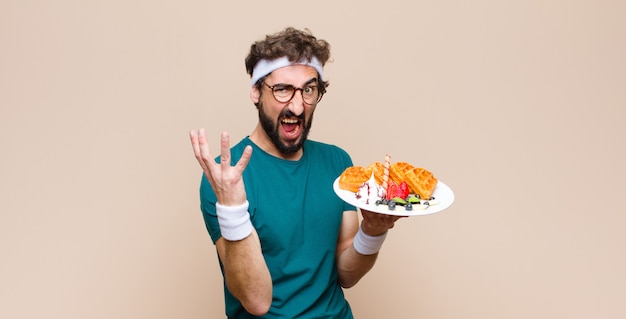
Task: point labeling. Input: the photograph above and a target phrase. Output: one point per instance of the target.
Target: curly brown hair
(296, 45)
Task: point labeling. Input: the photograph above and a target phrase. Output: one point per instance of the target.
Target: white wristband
(365, 244)
(234, 221)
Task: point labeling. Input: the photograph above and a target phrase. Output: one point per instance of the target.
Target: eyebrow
(313, 80)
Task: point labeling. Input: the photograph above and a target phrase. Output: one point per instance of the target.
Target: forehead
(293, 74)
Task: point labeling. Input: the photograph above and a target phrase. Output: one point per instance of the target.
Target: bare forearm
(358, 247)
(352, 266)
(246, 273)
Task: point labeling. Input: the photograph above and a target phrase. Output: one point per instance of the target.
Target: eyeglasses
(283, 93)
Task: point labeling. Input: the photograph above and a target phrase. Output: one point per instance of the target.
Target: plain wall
(518, 106)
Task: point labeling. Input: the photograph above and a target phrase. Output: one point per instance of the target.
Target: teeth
(289, 121)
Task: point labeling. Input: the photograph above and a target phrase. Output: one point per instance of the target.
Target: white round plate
(442, 194)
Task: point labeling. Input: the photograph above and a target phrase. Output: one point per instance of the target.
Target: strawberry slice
(404, 190)
(391, 188)
(394, 190)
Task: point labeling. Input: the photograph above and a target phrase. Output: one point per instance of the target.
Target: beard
(272, 128)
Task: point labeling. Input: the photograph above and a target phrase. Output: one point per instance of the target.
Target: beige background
(519, 106)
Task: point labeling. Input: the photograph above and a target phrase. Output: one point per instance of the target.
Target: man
(287, 245)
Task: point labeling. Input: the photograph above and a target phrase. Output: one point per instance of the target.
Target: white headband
(265, 67)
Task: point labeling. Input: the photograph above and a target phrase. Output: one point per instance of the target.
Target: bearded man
(287, 245)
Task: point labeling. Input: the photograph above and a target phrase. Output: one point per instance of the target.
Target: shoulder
(321, 147)
(327, 152)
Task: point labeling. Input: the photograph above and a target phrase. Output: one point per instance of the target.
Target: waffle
(378, 169)
(421, 182)
(397, 171)
(352, 178)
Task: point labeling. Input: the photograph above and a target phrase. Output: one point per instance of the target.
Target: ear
(255, 95)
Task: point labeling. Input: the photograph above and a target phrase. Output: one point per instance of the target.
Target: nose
(296, 105)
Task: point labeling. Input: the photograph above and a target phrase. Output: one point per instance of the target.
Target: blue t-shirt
(297, 215)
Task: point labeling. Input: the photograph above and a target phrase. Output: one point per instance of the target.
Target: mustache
(288, 114)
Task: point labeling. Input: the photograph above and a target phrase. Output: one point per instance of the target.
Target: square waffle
(421, 182)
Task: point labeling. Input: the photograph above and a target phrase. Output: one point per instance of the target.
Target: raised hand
(226, 179)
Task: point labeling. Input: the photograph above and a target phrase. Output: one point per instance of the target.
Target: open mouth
(291, 127)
